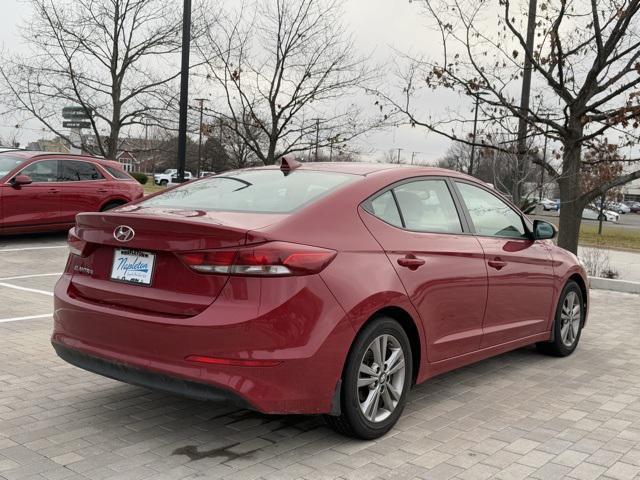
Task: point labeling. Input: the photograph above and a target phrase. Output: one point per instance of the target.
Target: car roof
(33, 154)
(368, 168)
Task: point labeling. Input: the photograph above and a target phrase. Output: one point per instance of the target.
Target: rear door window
(257, 191)
(425, 206)
(76, 171)
(117, 173)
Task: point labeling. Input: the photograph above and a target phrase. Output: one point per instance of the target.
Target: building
(631, 191)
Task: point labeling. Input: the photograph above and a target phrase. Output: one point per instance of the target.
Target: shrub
(140, 177)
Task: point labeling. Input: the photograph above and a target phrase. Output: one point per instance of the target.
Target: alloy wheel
(381, 378)
(570, 319)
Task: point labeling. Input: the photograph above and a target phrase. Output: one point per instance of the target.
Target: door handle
(411, 262)
(497, 263)
(54, 190)
(102, 190)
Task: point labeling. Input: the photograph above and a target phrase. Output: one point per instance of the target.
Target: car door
(35, 204)
(439, 263)
(521, 276)
(83, 188)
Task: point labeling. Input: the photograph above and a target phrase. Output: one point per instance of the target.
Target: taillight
(77, 246)
(266, 259)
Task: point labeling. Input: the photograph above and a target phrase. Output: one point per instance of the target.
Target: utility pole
(184, 89)
(475, 129)
(317, 136)
(201, 105)
(413, 156)
(524, 100)
(399, 154)
(544, 160)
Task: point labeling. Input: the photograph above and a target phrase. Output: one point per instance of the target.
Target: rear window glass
(259, 191)
(117, 173)
(8, 163)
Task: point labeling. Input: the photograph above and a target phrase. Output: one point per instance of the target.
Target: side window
(427, 206)
(75, 171)
(43, 171)
(384, 207)
(491, 216)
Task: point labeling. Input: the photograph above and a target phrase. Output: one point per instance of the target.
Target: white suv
(170, 175)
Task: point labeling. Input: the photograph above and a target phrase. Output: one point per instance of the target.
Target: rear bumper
(299, 325)
(148, 379)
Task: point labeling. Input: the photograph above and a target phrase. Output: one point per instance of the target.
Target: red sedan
(44, 191)
(314, 289)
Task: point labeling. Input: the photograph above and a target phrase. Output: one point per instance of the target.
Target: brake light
(232, 362)
(266, 259)
(77, 246)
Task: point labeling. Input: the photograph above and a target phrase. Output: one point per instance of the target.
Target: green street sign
(76, 124)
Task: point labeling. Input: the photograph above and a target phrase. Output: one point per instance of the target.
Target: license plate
(132, 266)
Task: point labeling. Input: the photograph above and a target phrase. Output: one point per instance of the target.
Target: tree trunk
(271, 154)
(571, 201)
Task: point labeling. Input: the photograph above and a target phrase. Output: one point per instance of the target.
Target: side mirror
(544, 230)
(20, 180)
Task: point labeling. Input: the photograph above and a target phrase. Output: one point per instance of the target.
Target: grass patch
(151, 187)
(612, 237)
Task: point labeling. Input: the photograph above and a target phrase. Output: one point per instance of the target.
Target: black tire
(111, 205)
(352, 422)
(164, 183)
(557, 347)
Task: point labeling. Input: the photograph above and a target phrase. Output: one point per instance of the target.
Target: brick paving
(519, 415)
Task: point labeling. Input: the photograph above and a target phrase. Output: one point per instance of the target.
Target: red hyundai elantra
(44, 191)
(315, 288)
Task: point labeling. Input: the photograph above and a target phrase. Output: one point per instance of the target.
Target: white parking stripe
(3, 250)
(31, 276)
(25, 289)
(30, 317)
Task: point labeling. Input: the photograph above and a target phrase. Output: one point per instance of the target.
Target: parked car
(618, 207)
(204, 173)
(42, 191)
(634, 206)
(313, 288)
(548, 204)
(170, 175)
(591, 213)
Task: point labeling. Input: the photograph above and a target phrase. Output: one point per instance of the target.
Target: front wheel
(376, 381)
(568, 323)
(164, 183)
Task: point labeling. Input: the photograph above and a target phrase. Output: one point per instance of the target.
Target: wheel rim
(570, 319)
(381, 378)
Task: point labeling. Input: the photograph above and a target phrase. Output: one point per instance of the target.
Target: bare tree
(111, 57)
(283, 74)
(584, 64)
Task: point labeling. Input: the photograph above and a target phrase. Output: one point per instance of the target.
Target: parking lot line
(30, 317)
(19, 277)
(25, 289)
(3, 250)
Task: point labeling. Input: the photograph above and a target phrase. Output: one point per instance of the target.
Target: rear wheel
(568, 323)
(376, 381)
(111, 205)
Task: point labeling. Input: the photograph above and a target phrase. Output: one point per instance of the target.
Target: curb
(615, 285)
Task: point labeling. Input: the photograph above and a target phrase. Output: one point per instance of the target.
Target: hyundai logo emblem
(123, 233)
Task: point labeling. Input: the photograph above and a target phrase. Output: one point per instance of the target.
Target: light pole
(201, 105)
(184, 89)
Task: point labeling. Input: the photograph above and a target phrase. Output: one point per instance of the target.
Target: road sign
(76, 124)
(76, 113)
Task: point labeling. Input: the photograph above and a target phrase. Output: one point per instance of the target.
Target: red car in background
(43, 191)
(321, 288)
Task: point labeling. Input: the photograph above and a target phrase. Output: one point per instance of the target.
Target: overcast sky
(379, 27)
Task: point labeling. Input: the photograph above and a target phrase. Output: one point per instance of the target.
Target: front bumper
(299, 325)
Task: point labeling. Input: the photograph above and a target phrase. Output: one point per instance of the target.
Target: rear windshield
(117, 173)
(258, 191)
(8, 163)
